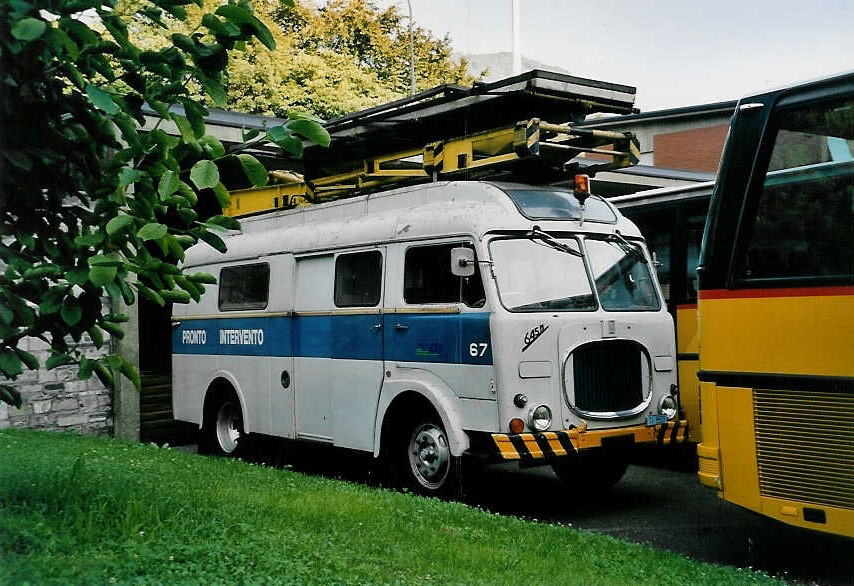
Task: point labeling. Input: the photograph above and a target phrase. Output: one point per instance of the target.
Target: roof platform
(455, 111)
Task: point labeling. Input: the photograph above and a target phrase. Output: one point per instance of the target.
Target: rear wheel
(427, 464)
(222, 432)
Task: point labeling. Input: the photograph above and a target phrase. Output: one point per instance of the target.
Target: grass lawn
(81, 510)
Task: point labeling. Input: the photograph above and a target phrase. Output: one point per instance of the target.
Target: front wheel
(429, 467)
(222, 432)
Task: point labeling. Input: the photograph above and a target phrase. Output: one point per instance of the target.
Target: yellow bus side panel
(781, 335)
(689, 386)
(738, 447)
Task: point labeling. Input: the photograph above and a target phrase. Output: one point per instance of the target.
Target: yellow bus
(776, 309)
(672, 220)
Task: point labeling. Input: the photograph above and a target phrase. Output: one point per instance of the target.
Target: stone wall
(55, 399)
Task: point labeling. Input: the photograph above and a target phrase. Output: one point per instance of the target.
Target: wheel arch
(400, 401)
(222, 385)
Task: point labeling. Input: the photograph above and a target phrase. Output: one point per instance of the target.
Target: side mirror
(462, 261)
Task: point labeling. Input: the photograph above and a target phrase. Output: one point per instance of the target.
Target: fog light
(517, 425)
(540, 418)
(668, 407)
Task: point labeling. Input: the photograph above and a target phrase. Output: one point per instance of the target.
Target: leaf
(77, 275)
(222, 195)
(285, 140)
(96, 336)
(204, 174)
(71, 311)
(102, 275)
(204, 278)
(131, 373)
(86, 368)
(254, 170)
(152, 231)
(310, 130)
(119, 223)
(6, 314)
(109, 260)
(150, 294)
(176, 296)
(28, 359)
(103, 374)
(52, 301)
(10, 395)
(214, 88)
(226, 222)
(10, 363)
(101, 99)
(114, 330)
(242, 17)
(214, 241)
(57, 359)
(128, 176)
(42, 271)
(29, 29)
(168, 184)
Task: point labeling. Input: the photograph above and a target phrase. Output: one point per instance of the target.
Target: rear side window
(244, 287)
(358, 279)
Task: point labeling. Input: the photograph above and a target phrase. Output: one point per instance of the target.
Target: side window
(244, 287)
(803, 226)
(358, 279)
(694, 237)
(427, 278)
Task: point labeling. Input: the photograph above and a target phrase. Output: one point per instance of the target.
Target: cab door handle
(401, 327)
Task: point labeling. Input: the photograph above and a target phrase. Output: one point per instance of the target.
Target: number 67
(478, 349)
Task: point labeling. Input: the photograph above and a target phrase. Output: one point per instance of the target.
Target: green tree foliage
(89, 203)
(345, 56)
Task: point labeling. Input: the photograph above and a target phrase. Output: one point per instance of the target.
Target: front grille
(607, 376)
(805, 446)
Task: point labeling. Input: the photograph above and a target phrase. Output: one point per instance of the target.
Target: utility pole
(514, 39)
(412, 48)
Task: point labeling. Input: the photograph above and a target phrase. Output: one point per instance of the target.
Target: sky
(675, 52)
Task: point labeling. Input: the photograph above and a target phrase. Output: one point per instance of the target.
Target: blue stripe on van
(458, 338)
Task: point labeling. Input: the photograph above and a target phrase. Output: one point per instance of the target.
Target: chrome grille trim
(607, 379)
(805, 446)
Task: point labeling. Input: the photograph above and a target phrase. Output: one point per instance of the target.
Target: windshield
(622, 276)
(535, 275)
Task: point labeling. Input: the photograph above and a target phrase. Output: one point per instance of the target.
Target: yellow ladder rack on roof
(548, 148)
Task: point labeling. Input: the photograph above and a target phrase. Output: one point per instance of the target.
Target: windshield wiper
(629, 248)
(536, 233)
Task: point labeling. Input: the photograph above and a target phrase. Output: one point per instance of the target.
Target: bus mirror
(462, 261)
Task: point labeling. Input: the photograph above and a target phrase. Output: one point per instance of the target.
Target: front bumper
(530, 447)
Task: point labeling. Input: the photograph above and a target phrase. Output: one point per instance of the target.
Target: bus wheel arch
(223, 428)
(416, 447)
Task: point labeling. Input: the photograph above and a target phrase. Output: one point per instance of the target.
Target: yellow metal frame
(551, 144)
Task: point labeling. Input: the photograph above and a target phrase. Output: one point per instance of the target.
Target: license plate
(656, 420)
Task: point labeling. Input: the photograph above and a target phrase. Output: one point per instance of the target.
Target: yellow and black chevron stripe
(528, 447)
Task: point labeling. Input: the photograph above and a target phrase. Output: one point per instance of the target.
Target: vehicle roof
(433, 210)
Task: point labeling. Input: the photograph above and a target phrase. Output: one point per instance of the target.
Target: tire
(591, 471)
(222, 433)
(426, 463)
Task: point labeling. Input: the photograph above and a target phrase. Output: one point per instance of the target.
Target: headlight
(540, 418)
(668, 406)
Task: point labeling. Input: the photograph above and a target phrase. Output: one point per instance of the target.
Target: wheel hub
(429, 455)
